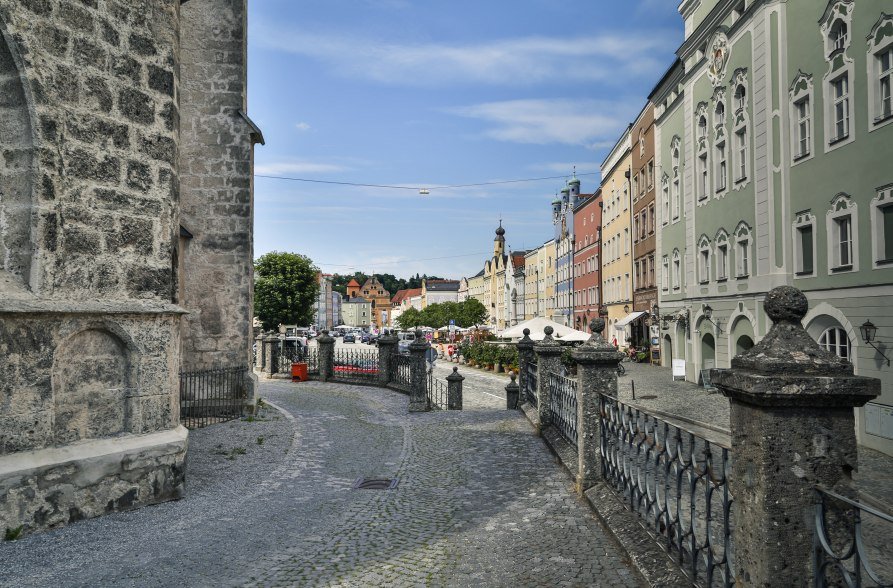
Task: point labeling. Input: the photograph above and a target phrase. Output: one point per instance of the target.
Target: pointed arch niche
(17, 168)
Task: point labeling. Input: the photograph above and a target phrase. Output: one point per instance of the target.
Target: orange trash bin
(299, 372)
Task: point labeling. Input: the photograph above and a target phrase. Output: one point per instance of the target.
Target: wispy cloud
(518, 61)
(302, 126)
(283, 168)
(574, 122)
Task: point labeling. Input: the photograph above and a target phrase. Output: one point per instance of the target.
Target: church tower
(499, 241)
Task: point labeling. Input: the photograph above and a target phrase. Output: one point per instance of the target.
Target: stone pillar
(387, 348)
(259, 352)
(791, 412)
(525, 358)
(271, 355)
(454, 390)
(512, 391)
(418, 392)
(548, 358)
(596, 374)
(326, 346)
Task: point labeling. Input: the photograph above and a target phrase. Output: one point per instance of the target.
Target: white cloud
(296, 167)
(518, 61)
(572, 122)
(302, 126)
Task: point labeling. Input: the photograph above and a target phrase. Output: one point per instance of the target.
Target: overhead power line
(418, 188)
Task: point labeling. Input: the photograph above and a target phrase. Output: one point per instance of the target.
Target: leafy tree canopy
(390, 282)
(466, 314)
(285, 289)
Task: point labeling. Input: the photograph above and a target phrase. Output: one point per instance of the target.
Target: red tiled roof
(353, 284)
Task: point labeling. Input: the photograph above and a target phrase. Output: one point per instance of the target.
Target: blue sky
(425, 93)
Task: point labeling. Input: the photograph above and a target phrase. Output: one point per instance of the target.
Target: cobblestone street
(480, 502)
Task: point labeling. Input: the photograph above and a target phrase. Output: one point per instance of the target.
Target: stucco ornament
(718, 58)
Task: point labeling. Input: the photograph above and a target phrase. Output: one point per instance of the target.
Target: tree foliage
(465, 314)
(285, 289)
(390, 282)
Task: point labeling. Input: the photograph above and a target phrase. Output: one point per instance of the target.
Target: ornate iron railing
(841, 555)
(563, 406)
(212, 396)
(677, 482)
(355, 365)
(438, 393)
(530, 383)
(308, 355)
(401, 372)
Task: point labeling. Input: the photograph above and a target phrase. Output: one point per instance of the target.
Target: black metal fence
(563, 406)
(438, 393)
(356, 365)
(401, 372)
(530, 383)
(842, 554)
(677, 482)
(212, 396)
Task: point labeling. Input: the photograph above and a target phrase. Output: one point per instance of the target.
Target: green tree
(285, 289)
(409, 319)
(473, 313)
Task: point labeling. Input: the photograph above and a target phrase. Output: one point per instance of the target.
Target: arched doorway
(666, 352)
(708, 352)
(743, 343)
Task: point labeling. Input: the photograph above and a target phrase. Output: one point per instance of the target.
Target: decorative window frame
(839, 64)
(722, 242)
(882, 199)
(801, 89)
(704, 263)
(880, 39)
(676, 181)
(740, 124)
(842, 205)
(665, 199)
(743, 236)
(665, 278)
(720, 184)
(676, 268)
(803, 219)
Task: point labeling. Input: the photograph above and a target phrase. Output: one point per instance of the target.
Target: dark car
(373, 339)
(349, 338)
(365, 338)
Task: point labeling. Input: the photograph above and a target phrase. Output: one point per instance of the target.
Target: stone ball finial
(597, 325)
(455, 369)
(786, 304)
(512, 376)
(548, 331)
(526, 332)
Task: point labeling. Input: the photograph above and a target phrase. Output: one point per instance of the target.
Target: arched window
(835, 340)
(702, 128)
(720, 156)
(740, 97)
(838, 36)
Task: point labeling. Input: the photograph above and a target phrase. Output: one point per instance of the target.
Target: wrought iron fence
(401, 372)
(530, 383)
(677, 482)
(438, 393)
(355, 365)
(842, 555)
(212, 396)
(563, 406)
(308, 355)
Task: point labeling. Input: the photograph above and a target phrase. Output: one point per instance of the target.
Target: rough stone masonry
(90, 103)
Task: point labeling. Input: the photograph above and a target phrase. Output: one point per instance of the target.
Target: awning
(628, 319)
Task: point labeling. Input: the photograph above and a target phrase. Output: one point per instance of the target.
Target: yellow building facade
(617, 259)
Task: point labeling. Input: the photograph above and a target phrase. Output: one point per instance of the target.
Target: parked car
(373, 339)
(349, 338)
(365, 338)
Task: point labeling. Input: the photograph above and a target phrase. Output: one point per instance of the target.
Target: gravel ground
(480, 502)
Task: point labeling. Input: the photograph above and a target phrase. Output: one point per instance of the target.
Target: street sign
(678, 368)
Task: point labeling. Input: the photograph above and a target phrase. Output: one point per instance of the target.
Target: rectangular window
(720, 167)
(722, 262)
(676, 205)
(702, 179)
(677, 274)
(650, 174)
(844, 241)
(741, 138)
(743, 261)
(887, 228)
(841, 95)
(665, 276)
(704, 269)
(804, 127)
(651, 282)
(651, 220)
(805, 243)
(885, 68)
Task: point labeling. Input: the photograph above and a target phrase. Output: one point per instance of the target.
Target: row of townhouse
(761, 158)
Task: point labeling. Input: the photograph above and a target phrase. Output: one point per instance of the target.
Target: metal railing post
(454, 390)
(596, 374)
(791, 414)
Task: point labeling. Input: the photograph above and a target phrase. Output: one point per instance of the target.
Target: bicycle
(621, 370)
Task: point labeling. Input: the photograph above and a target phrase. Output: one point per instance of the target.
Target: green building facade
(775, 124)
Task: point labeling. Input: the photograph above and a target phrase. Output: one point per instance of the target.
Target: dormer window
(839, 36)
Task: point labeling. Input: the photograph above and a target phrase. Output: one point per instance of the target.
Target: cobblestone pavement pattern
(480, 502)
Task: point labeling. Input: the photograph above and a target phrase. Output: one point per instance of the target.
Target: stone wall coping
(795, 389)
(44, 306)
(588, 355)
(111, 449)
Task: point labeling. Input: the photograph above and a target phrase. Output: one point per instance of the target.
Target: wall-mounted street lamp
(708, 314)
(626, 309)
(869, 331)
(602, 310)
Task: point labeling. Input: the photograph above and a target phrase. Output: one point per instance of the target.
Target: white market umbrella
(537, 328)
